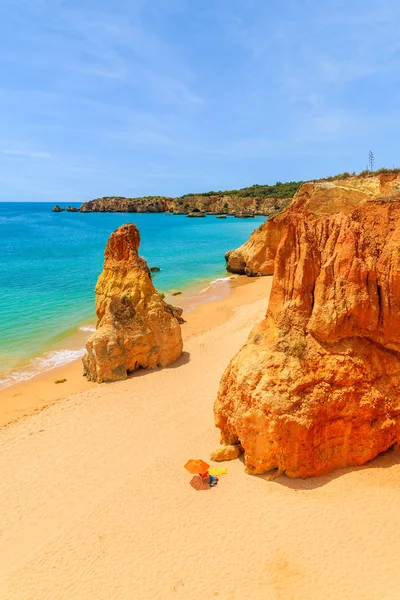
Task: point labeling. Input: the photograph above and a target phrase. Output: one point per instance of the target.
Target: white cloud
(26, 153)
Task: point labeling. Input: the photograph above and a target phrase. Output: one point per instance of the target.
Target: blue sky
(145, 97)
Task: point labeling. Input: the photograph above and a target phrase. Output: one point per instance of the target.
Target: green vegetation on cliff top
(279, 190)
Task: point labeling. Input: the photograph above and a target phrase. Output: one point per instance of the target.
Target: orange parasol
(196, 466)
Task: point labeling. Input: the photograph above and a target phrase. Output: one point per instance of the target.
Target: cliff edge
(256, 256)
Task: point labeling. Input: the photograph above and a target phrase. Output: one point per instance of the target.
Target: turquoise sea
(49, 264)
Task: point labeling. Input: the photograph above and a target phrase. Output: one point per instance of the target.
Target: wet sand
(206, 310)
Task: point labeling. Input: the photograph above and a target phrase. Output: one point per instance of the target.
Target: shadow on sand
(184, 359)
(387, 459)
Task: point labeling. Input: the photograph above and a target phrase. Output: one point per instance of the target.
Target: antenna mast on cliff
(371, 160)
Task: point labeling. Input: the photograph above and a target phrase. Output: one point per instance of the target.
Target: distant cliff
(121, 204)
(230, 205)
(254, 200)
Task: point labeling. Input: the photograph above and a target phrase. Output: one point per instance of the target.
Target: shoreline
(205, 310)
(96, 501)
(45, 314)
(71, 347)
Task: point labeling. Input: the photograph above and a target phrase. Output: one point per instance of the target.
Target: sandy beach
(203, 310)
(95, 503)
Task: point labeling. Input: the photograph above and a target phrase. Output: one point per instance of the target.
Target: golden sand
(95, 503)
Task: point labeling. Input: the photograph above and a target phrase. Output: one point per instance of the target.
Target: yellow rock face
(135, 327)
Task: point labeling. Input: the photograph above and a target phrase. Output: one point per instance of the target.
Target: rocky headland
(213, 204)
(317, 384)
(151, 204)
(135, 327)
(255, 200)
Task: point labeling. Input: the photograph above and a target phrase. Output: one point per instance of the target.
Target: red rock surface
(317, 385)
(135, 327)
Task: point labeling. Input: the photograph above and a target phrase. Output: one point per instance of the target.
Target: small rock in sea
(176, 293)
(60, 381)
(155, 269)
(226, 453)
(244, 215)
(196, 214)
(57, 209)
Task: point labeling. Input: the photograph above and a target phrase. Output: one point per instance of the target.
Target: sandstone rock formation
(150, 204)
(135, 327)
(245, 215)
(202, 203)
(256, 256)
(225, 453)
(317, 384)
(57, 208)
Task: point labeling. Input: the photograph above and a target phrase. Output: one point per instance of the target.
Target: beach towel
(217, 471)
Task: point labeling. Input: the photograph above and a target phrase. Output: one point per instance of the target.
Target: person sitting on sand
(210, 479)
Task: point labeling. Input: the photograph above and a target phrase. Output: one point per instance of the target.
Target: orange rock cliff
(256, 256)
(317, 384)
(135, 327)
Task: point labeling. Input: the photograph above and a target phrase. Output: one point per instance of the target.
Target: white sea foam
(214, 281)
(48, 361)
(87, 328)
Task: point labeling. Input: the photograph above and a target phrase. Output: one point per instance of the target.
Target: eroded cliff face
(225, 204)
(317, 385)
(256, 256)
(133, 205)
(135, 327)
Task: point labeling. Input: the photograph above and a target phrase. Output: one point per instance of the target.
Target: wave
(17, 219)
(90, 328)
(214, 281)
(44, 363)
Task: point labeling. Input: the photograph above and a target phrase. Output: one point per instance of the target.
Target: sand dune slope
(95, 504)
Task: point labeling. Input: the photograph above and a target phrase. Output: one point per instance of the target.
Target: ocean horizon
(50, 263)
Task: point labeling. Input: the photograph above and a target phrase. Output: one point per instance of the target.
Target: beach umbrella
(196, 466)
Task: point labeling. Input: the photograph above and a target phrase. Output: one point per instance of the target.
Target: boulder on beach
(225, 453)
(135, 327)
